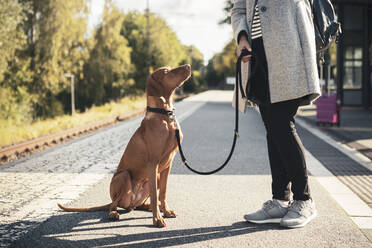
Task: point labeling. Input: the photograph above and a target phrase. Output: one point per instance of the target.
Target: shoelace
(297, 206)
(268, 205)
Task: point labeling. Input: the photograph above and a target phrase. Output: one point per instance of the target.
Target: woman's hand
(243, 44)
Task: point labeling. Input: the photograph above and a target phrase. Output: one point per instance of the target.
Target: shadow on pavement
(69, 230)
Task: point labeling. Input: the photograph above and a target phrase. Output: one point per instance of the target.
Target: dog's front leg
(156, 217)
(168, 213)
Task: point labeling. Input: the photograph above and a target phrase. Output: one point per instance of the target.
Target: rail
(14, 152)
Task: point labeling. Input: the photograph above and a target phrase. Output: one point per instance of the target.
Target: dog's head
(164, 81)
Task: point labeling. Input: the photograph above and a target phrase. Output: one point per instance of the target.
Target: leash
(238, 83)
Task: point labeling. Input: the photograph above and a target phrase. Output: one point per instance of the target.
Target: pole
(72, 94)
(72, 76)
(148, 36)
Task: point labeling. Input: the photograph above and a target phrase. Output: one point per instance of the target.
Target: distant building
(354, 53)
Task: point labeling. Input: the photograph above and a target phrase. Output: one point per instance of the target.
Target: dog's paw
(158, 221)
(144, 207)
(169, 213)
(114, 215)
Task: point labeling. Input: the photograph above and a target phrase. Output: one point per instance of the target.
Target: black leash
(238, 83)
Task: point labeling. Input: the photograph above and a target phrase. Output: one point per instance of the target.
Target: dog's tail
(100, 208)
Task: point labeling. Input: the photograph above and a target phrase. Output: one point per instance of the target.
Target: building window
(353, 65)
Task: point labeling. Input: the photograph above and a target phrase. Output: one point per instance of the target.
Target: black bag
(327, 29)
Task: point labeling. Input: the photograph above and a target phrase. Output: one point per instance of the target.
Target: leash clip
(172, 115)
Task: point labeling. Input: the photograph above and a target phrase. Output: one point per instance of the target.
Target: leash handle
(245, 52)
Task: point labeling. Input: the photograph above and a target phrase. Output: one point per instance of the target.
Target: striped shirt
(256, 25)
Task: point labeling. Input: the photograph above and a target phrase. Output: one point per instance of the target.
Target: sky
(194, 21)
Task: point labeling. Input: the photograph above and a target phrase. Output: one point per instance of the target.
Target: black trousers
(285, 149)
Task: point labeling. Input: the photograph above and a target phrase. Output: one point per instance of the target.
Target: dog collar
(170, 113)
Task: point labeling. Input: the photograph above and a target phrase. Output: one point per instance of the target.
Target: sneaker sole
(311, 217)
(275, 220)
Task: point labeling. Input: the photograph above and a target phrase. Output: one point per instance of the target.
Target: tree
(56, 31)
(15, 76)
(107, 71)
(211, 75)
(165, 48)
(134, 30)
(222, 65)
(196, 59)
(227, 10)
(43, 40)
(12, 36)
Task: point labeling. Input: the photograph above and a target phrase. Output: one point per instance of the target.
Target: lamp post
(147, 11)
(69, 75)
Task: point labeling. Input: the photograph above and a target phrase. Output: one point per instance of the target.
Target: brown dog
(147, 160)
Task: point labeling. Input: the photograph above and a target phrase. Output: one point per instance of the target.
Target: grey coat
(289, 41)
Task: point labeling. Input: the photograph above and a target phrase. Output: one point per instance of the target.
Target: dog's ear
(153, 88)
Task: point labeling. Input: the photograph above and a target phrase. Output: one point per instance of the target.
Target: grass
(11, 133)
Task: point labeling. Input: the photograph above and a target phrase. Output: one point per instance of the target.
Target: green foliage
(165, 48)
(43, 40)
(15, 76)
(21, 131)
(134, 30)
(211, 75)
(12, 36)
(224, 62)
(15, 105)
(196, 83)
(108, 68)
(222, 65)
(60, 35)
(227, 9)
(196, 59)
(57, 29)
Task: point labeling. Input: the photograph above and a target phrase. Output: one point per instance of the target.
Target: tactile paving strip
(351, 173)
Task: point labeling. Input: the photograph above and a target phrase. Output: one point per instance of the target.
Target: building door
(353, 37)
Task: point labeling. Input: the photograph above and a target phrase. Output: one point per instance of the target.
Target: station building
(351, 67)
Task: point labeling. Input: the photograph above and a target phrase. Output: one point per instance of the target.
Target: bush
(16, 105)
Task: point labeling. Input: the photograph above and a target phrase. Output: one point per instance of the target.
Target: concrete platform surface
(210, 208)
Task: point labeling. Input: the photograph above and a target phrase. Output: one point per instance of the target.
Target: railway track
(17, 151)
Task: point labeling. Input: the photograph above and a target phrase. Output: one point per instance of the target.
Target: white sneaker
(271, 212)
(299, 214)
